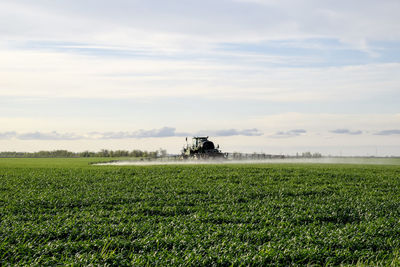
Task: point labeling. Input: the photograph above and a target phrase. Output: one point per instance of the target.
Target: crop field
(65, 211)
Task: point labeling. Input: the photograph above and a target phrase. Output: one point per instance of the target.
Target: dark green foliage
(200, 215)
(84, 154)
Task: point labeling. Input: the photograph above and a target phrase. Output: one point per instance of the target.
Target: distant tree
(316, 155)
(69, 154)
(104, 153)
(161, 152)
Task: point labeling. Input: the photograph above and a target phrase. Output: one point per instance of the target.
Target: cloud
(288, 134)
(346, 131)
(388, 132)
(169, 24)
(76, 76)
(168, 49)
(7, 135)
(48, 136)
(232, 132)
(153, 133)
(162, 132)
(171, 132)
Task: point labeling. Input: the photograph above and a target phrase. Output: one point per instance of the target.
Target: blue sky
(256, 75)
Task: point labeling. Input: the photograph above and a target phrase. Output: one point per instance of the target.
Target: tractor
(201, 148)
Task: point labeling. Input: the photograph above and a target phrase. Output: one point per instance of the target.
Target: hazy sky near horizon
(255, 75)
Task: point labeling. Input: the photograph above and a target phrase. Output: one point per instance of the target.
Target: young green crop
(198, 215)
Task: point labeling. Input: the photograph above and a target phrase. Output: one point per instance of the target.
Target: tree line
(68, 154)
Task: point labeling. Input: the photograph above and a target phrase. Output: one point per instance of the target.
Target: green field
(65, 211)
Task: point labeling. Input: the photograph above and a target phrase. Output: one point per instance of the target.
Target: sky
(268, 76)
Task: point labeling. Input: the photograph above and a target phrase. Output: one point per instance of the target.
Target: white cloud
(138, 134)
(56, 74)
(172, 25)
(229, 132)
(176, 49)
(288, 134)
(47, 136)
(7, 135)
(346, 131)
(324, 122)
(389, 132)
(354, 22)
